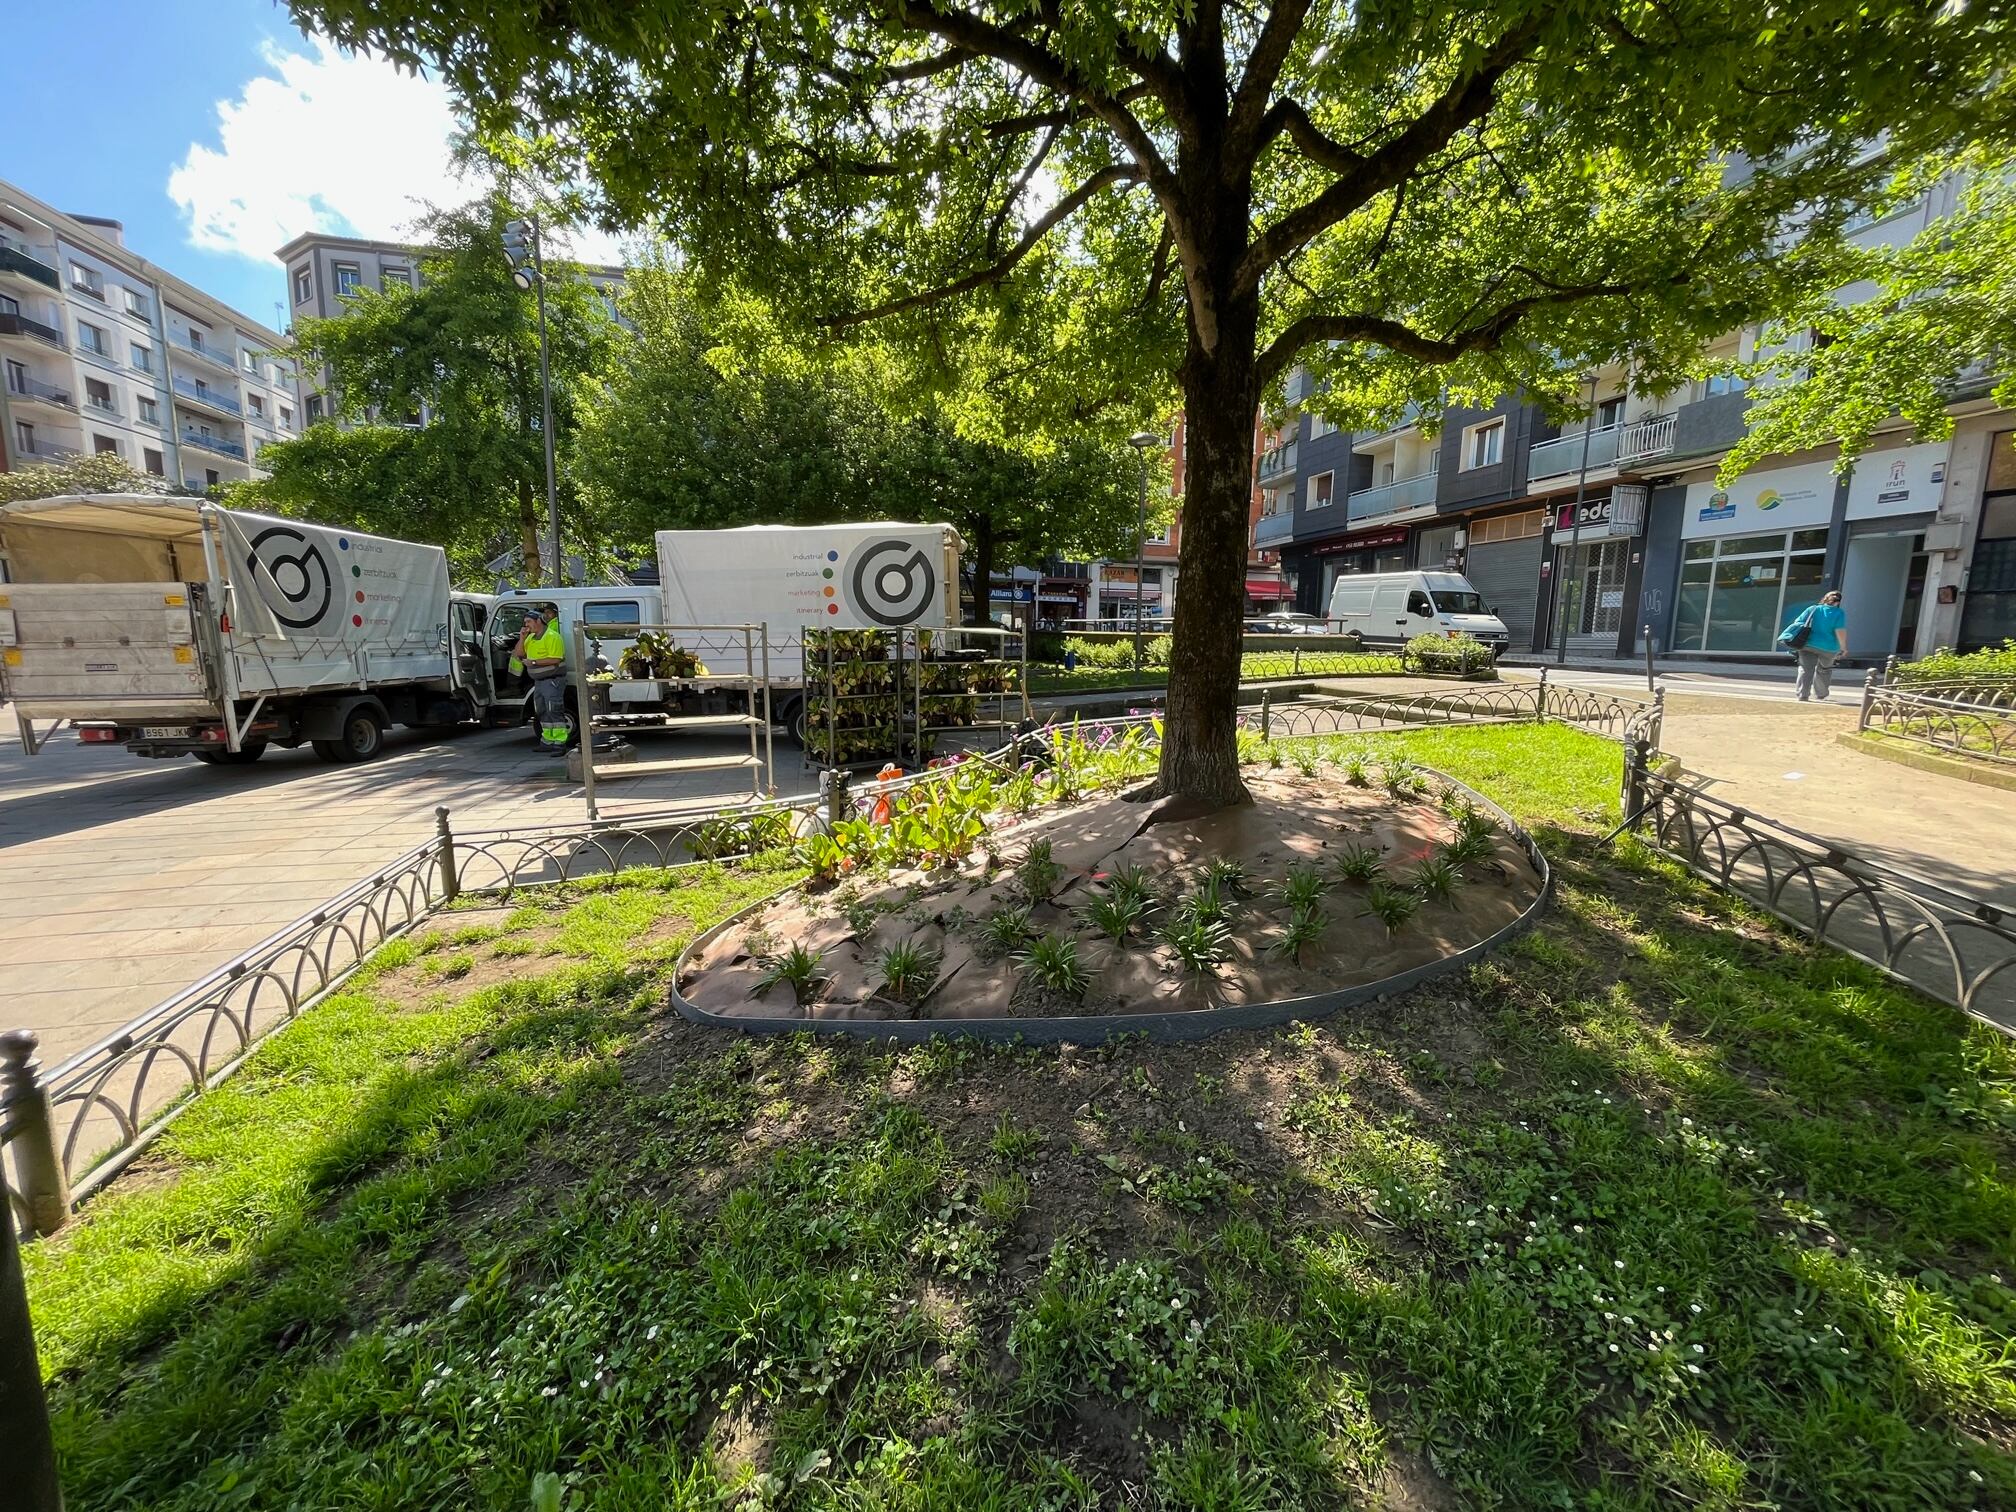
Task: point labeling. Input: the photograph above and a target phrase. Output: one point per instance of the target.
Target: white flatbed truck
(177, 627)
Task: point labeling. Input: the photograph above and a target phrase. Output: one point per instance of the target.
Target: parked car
(1287, 622)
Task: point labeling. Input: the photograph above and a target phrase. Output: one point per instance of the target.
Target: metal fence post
(1266, 715)
(1889, 669)
(1869, 687)
(1655, 732)
(834, 781)
(1298, 659)
(1651, 685)
(30, 1129)
(24, 1410)
(451, 881)
(1635, 761)
(1540, 704)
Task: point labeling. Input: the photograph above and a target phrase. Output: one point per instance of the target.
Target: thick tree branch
(1468, 98)
(1263, 67)
(996, 271)
(1289, 116)
(1396, 336)
(1014, 194)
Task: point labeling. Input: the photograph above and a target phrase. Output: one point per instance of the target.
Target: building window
(210, 478)
(98, 394)
(87, 281)
(314, 408)
(103, 444)
(91, 338)
(1484, 445)
(147, 410)
(1610, 412)
(196, 338)
(348, 281)
(136, 304)
(24, 437)
(258, 405)
(249, 361)
(403, 276)
(286, 417)
(304, 285)
(154, 463)
(1719, 383)
(1319, 427)
(1321, 489)
(1738, 592)
(143, 357)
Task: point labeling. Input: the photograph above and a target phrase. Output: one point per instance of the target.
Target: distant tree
(1937, 310)
(1418, 194)
(704, 420)
(97, 473)
(462, 349)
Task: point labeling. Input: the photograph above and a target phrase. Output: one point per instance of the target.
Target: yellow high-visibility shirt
(551, 646)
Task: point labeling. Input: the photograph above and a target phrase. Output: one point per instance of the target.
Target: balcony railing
(1551, 459)
(15, 258)
(203, 394)
(1650, 437)
(105, 406)
(213, 443)
(1270, 528)
(1278, 463)
(1391, 498)
(35, 388)
(209, 354)
(42, 449)
(21, 325)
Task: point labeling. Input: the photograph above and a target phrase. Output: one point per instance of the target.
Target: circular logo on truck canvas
(294, 584)
(891, 582)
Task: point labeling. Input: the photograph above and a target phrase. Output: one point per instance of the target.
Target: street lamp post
(1574, 535)
(1141, 441)
(521, 237)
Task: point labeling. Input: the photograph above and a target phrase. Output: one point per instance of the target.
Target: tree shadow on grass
(1662, 1205)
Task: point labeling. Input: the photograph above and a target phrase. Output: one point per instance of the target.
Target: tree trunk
(528, 534)
(1200, 746)
(983, 571)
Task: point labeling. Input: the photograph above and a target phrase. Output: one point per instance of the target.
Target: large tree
(84, 473)
(461, 350)
(706, 418)
(1477, 197)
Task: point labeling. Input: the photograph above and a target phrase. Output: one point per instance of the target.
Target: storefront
(1266, 591)
(1317, 566)
(1117, 593)
(1755, 554)
(1439, 548)
(1593, 547)
(1502, 557)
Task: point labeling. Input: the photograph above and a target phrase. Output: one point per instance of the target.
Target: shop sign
(1362, 542)
(1783, 498)
(1906, 481)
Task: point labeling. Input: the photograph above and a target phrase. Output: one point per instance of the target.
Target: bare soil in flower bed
(1295, 822)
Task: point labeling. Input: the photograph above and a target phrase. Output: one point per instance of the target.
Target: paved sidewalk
(1781, 760)
(122, 880)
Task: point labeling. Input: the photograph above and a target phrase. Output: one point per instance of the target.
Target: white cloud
(328, 141)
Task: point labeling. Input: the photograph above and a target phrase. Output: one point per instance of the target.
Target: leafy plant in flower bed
(907, 970)
(797, 967)
(1117, 914)
(1037, 873)
(1390, 905)
(1403, 778)
(1052, 963)
(1226, 875)
(1358, 863)
(1006, 928)
(1305, 927)
(1465, 849)
(1303, 886)
(1201, 944)
(1436, 878)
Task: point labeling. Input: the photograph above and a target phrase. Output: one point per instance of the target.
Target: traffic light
(518, 238)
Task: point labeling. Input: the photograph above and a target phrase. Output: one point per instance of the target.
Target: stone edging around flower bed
(1161, 1028)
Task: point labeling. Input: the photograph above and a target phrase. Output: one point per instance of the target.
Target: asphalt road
(123, 879)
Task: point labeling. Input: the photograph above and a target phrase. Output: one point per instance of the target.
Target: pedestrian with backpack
(1817, 636)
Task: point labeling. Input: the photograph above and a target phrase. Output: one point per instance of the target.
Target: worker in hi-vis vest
(543, 651)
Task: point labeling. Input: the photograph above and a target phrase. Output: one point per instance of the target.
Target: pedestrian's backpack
(1799, 631)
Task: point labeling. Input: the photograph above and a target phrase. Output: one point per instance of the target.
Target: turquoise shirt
(1826, 620)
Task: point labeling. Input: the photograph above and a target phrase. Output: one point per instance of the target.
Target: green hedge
(1991, 664)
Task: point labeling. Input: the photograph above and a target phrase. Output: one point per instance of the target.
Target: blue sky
(216, 131)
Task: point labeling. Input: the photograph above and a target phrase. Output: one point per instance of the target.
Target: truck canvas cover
(100, 583)
(874, 576)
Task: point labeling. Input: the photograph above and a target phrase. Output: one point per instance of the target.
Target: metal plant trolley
(873, 696)
(963, 680)
(712, 646)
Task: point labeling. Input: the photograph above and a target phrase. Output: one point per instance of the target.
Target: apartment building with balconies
(103, 351)
(325, 272)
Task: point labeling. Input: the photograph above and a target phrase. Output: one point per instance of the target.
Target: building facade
(102, 351)
(1587, 538)
(324, 272)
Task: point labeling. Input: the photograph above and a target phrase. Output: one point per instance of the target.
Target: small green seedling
(907, 970)
(1358, 863)
(1038, 874)
(1051, 961)
(1305, 927)
(1117, 915)
(1303, 887)
(1227, 875)
(1202, 945)
(1390, 905)
(1436, 878)
(1006, 928)
(797, 968)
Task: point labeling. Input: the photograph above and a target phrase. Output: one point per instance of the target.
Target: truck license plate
(164, 732)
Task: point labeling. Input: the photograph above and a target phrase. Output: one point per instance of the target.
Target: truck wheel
(363, 738)
(794, 720)
(245, 756)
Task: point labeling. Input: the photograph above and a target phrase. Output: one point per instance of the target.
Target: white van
(1390, 608)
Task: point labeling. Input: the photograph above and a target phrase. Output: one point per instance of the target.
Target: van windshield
(1459, 601)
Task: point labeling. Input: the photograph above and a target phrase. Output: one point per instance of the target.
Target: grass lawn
(1660, 1207)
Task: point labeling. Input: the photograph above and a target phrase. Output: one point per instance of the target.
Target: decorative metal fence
(1972, 720)
(75, 1128)
(1959, 949)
